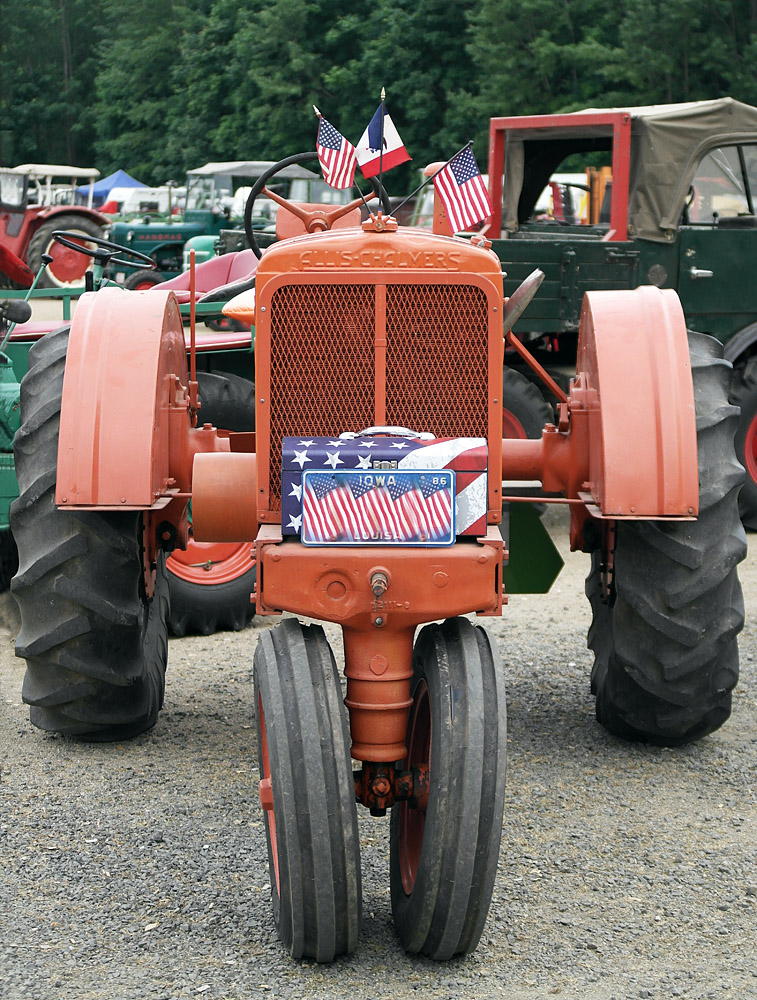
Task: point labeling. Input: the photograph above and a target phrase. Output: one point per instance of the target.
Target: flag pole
(381, 140)
(435, 174)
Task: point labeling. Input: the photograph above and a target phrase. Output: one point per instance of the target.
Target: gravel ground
(139, 869)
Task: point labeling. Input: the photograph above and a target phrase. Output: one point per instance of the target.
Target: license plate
(378, 508)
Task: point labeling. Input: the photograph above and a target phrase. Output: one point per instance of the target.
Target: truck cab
(671, 192)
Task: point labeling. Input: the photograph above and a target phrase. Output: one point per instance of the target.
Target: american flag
(463, 192)
(336, 156)
(355, 509)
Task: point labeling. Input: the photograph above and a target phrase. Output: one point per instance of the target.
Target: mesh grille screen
(437, 359)
(322, 362)
(322, 367)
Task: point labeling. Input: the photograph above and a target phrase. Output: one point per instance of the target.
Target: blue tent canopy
(105, 185)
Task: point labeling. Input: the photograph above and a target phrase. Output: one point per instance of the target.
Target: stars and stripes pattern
(390, 508)
(348, 501)
(463, 191)
(336, 155)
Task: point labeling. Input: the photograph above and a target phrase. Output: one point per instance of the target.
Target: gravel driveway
(139, 870)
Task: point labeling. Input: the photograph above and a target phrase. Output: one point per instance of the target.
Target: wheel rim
(67, 267)
(141, 286)
(265, 791)
(750, 449)
(511, 426)
(412, 822)
(211, 563)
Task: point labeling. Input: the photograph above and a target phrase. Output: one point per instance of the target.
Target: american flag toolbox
(383, 489)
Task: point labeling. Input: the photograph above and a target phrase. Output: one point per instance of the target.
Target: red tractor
(32, 207)
(373, 490)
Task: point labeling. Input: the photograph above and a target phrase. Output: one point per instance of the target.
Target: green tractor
(215, 200)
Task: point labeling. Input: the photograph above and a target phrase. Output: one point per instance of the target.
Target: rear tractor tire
(525, 411)
(443, 861)
(668, 607)
(211, 584)
(95, 646)
(71, 273)
(307, 792)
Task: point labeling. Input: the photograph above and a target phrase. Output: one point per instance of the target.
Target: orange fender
(125, 425)
(633, 376)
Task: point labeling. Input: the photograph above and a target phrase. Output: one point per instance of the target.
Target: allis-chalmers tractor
(373, 490)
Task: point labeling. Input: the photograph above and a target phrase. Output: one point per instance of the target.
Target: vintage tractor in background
(373, 491)
(32, 207)
(210, 584)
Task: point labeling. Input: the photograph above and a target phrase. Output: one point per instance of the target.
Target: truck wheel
(444, 860)
(95, 646)
(307, 792)
(211, 582)
(666, 601)
(68, 266)
(140, 281)
(744, 395)
(524, 410)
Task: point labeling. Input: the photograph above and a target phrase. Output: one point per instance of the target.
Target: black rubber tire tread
(744, 395)
(39, 243)
(8, 558)
(95, 648)
(134, 279)
(228, 402)
(524, 400)
(665, 644)
(318, 909)
(445, 913)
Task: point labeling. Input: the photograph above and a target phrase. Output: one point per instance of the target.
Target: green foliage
(158, 86)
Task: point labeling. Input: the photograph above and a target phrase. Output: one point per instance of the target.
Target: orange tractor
(373, 490)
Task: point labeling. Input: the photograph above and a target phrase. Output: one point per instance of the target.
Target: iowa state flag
(369, 156)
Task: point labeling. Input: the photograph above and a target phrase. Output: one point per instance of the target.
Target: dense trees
(156, 86)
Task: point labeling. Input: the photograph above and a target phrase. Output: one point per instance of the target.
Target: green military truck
(678, 212)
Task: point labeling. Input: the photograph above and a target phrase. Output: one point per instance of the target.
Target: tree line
(160, 86)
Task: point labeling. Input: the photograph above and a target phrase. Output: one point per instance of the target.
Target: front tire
(143, 279)
(307, 792)
(665, 620)
(95, 647)
(444, 860)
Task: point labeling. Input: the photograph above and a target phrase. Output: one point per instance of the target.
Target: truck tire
(141, 280)
(744, 395)
(525, 411)
(42, 243)
(665, 622)
(95, 646)
(443, 861)
(211, 583)
(307, 792)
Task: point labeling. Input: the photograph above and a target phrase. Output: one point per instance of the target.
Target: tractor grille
(324, 361)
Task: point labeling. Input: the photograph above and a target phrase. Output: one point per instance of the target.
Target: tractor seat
(229, 268)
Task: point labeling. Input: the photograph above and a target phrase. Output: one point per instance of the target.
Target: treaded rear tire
(313, 847)
(42, 242)
(95, 647)
(665, 642)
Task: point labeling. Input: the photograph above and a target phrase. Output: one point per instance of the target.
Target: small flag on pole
(369, 156)
(335, 154)
(463, 192)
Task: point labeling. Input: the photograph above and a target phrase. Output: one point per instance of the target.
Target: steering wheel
(106, 252)
(315, 220)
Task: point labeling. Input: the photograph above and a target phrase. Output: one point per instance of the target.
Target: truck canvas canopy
(662, 146)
